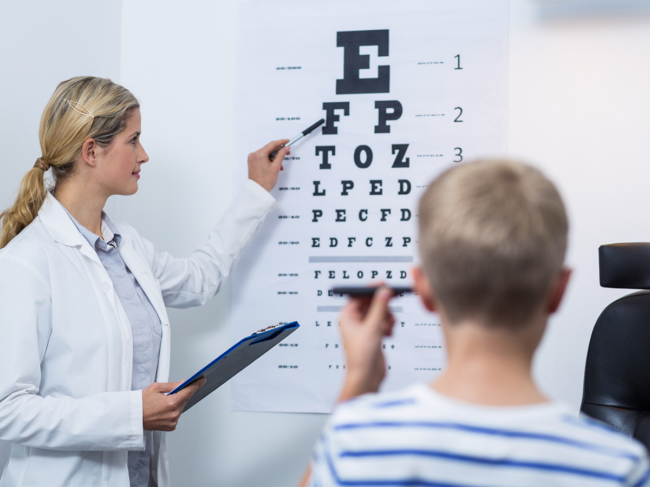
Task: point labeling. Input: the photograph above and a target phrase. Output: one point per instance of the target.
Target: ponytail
(80, 108)
(31, 196)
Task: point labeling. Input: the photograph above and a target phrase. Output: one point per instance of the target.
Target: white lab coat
(66, 403)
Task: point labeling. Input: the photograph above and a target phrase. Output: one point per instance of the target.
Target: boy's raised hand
(364, 323)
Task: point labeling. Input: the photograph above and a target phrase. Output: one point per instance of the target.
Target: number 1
(457, 56)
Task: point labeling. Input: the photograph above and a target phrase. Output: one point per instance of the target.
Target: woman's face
(120, 163)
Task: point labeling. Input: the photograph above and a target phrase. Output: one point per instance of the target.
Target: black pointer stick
(302, 134)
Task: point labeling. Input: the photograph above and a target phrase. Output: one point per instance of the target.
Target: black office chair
(617, 373)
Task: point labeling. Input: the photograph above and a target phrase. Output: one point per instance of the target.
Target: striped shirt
(418, 437)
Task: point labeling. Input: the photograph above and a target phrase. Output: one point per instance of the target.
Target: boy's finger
(360, 301)
(379, 307)
(390, 323)
(361, 305)
(351, 309)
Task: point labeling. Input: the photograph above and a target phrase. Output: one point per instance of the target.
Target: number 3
(459, 154)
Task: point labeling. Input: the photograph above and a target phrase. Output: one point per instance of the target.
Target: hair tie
(41, 164)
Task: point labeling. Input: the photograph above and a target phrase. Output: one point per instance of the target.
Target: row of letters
(341, 215)
(388, 242)
(376, 187)
(363, 156)
(360, 275)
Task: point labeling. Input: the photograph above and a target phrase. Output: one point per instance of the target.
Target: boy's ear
(558, 289)
(423, 288)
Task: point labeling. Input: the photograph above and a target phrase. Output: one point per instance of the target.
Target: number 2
(459, 155)
(458, 117)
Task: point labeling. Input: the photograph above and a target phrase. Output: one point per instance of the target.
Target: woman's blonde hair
(80, 108)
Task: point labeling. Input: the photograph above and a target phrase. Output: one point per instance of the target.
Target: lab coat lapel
(145, 278)
(59, 225)
(61, 228)
(57, 222)
(143, 275)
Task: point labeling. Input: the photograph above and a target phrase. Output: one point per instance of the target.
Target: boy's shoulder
(597, 432)
(380, 405)
(430, 439)
(420, 407)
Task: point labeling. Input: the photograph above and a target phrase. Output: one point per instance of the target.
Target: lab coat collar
(56, 221)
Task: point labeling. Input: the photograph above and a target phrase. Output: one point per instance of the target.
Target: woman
(84, 347)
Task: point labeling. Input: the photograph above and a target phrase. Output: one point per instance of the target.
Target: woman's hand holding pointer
(264, 169)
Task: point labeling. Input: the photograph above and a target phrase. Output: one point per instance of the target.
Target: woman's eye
(133, 140)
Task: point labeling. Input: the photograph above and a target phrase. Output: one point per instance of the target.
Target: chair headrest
(625, 265)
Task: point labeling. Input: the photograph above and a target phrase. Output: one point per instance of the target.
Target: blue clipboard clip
(236, 359)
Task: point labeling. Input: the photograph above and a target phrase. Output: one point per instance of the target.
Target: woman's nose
(143, 157)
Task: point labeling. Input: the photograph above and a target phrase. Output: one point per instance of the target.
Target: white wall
(41, 44)
(579, 105)
(578, 108)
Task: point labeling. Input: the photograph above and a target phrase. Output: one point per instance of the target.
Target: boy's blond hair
(493, 237)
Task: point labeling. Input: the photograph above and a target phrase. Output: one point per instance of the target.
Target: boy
(492, 239)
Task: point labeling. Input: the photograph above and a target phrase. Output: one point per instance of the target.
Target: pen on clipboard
(302, 134)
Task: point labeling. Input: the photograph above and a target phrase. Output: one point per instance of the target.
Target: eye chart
(408, 89)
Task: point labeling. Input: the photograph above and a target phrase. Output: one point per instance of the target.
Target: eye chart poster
(408, 88)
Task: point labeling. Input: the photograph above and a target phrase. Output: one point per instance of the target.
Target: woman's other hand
(262, 168)
(364, 323)
(161, 412)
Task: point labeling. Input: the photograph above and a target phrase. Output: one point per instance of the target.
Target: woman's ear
(423, 288)
(89, 152)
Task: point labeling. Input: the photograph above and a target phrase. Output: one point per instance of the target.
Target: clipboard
(236, 359)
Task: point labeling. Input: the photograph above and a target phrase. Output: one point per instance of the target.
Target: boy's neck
(490, 365)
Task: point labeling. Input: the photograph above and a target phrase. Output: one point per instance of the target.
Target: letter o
(357, 156)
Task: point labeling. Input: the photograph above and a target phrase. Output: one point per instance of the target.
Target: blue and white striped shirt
(418, 437)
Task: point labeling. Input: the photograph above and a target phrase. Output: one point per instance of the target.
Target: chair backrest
(617, 373)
